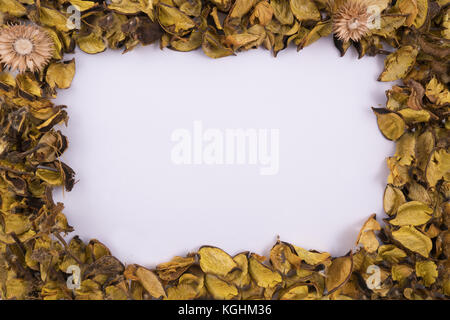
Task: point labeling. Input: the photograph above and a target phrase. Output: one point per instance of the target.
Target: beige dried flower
(351, 20)
(25, 47)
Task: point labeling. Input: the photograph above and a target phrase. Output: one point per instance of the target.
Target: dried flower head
(25, 47)
(351, 20)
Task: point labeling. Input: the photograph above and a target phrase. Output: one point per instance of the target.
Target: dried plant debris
(406, 257)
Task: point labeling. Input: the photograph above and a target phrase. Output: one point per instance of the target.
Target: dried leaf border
(410, 254)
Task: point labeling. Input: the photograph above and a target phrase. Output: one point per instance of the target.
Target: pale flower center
(23, 46)
(353, 24)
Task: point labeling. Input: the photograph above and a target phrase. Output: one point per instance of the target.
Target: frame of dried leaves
(406, 258)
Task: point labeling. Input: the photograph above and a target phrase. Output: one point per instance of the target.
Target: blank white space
(123, 109)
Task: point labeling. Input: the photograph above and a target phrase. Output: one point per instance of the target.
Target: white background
(123, 109)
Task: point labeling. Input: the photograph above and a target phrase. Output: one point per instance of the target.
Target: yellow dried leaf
(390, 253)
(91, 43)
(17, 223)
(391, 125)
(393, 198)
(126, 6)
(7, 81)
(389, 25)
(213, 47)
(338, 273)
(424, 146)
(189, 287)
(417, 192)
(438, 167)
(278, 258)
(321, 29)
(240, 8)
(172, 270)
(414, 116)
(437, 92)
(220, 289)
(305, 10)
(399, 175)
(54, 178)
(89, 290)
(83, 5)
(398, 63)
(262, 14)
(414, 240)
(97, 249)
(405, 149)
(413, 213)
(367, 236)
(52, 290)
(216, 261)
(60, 74)
(150, 282)
(311, 257)
(262, 274)
(240, 40)
(53, 18)
(194, 42)
(13, 7)
(428, 271)
(57, 43)
(28, 85)
(296, 292)
(240, 277)
(173, 20)
(408, 7)
(17, 288)
(422, 6)
(223, 5)
(282, 11)
(400, 272)
(115, 293)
